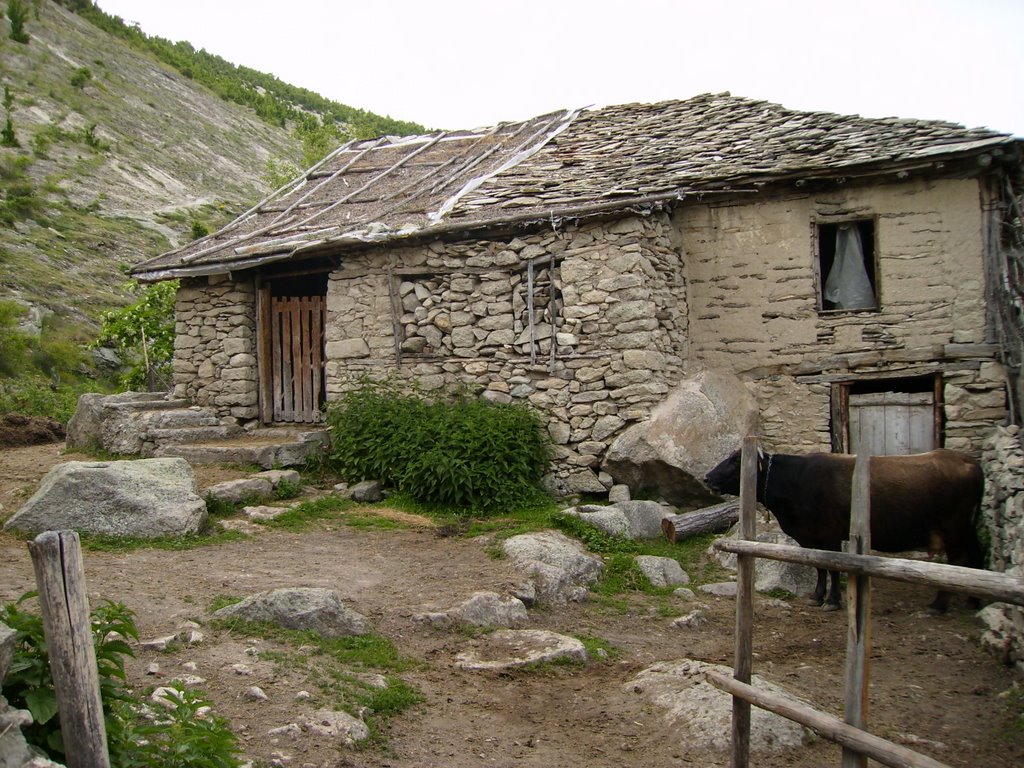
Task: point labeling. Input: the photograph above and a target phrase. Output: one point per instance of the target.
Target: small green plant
(455, 453)
(287, 489)
(187, 736)
(179, 738)
(81, 76)
(92, 140)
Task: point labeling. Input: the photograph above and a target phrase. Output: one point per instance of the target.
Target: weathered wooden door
(292, 371)
(893, 422)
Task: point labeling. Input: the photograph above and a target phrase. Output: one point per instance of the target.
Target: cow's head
(725, 478)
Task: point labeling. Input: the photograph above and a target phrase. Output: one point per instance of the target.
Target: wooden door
(893, 422)
(292, 372)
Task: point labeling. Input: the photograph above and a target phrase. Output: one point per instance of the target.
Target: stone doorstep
(281, 449)
(196, 434)
(151, 405)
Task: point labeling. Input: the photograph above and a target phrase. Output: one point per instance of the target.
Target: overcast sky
(464, 64)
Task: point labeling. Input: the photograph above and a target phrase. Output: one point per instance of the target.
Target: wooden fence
(858, 745)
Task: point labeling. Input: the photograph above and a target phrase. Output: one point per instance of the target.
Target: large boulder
(701, 421)
(145, 498)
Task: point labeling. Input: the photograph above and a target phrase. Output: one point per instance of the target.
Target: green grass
(343, 672)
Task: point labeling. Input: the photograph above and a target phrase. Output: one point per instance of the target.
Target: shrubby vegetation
(320, 123)
(143, 332)
(179, 738)
(458, 452)
(44, 374)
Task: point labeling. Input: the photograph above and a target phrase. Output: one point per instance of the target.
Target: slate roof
(561, 165)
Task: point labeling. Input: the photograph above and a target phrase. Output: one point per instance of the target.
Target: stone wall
(751, 268)
(606, 342)
(215, 345)
(1003, 511)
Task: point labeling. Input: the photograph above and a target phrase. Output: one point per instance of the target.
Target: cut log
(707, 520)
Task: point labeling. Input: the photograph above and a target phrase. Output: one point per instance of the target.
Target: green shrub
(14, 343)
(80, 77)
(456, 453)
(143, 332)
(179, 739)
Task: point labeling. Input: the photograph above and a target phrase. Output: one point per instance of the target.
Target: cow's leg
(832, 603)
(819, 589)
(941, 603)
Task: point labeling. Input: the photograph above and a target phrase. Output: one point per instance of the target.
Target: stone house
(590, 261)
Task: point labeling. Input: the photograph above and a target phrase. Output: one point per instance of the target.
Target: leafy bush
(143, 332)
(459, 453)
(81, 76)
(179, 739)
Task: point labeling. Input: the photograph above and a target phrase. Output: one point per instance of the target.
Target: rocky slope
(119, 157)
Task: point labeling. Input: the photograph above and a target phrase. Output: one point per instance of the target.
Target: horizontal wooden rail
(955, 578)
(829, 727)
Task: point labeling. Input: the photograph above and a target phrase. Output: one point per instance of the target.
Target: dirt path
(933, 688)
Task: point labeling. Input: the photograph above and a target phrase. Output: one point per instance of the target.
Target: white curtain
(847, 285)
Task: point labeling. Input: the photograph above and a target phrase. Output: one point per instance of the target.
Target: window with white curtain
(846, 265)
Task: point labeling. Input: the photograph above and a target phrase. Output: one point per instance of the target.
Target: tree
(7, 137)
(17, 12)
(143, 332)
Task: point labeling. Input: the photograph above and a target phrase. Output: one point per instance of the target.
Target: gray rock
(236, 491)
(720, 589)
(696, 426)
(277, 476)
(143, 498)
(662, 571)
(619, 493)
(558, 566)
(511, 648)
(702, 715)
(337, 725)
(368, 491)
(609, 519)
(482, 609)
(303, 608)
(644, 518)
(773, 574)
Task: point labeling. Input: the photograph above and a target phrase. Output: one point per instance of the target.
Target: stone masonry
(593, 323)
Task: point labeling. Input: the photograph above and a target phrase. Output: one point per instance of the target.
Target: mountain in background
(118, 146)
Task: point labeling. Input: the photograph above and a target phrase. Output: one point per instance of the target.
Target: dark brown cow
(926, 500)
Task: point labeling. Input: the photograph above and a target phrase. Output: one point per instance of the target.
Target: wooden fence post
(743, 662)
(858, 606)
(60, 577)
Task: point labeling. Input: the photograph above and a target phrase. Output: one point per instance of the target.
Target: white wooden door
(893, 422)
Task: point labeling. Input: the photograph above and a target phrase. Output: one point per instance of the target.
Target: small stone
(153, 669)
(255, 693)
(241, 669)
(303, 696)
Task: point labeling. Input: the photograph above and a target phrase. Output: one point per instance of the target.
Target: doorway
(292, 314)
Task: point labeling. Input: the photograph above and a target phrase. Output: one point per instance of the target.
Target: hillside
(120, 156)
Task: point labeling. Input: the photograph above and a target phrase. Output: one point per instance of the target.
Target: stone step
(178, 418)
(201, 433)
(145, 401)
(265, 448)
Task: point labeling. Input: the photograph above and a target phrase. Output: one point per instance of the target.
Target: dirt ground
(933, 688)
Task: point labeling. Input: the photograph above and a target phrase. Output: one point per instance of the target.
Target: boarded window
(889, 417)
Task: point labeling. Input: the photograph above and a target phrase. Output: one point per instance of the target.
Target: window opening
(846, 255)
